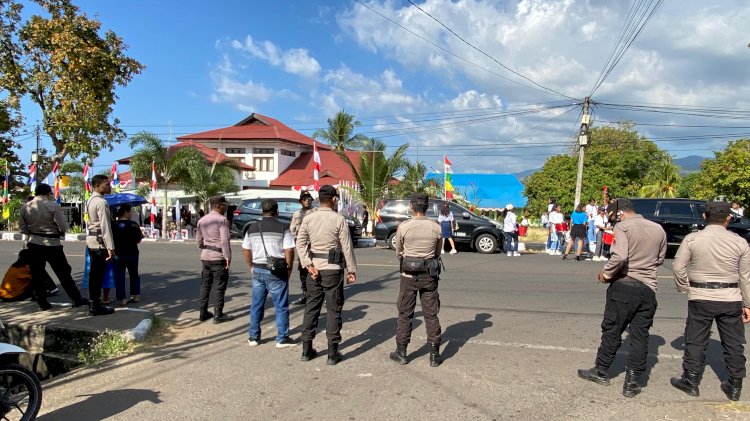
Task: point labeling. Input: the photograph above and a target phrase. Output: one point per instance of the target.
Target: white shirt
(545, 219)
(274, 243)
(550, 206)
(600, 221)
(509, 224)
(556, 218)
(591, 212)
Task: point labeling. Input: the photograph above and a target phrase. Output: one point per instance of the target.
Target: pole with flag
(115, 179)
(153, 194)
(448, 173)
(32, 177)
(56, 177)
(86, 181)
(316, 168)
(6, 197)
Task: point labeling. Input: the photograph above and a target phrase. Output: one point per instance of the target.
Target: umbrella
(124, 198)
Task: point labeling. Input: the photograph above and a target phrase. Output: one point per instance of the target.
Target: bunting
(448, 172)
(32, 177)
(316, 169)
(153, 194)
(115, 180)
(56, 180)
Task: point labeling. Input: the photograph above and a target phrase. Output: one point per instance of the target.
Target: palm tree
(414, 180)
(171, 164)
(375, 170)
(339, 132)
(662, 180)
(205, 181)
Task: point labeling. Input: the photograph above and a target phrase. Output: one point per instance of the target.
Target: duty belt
(212, 248)
(714, 285)
(320, 255)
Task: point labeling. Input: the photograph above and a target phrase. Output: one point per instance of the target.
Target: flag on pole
(6, 209)
(448, 172)
(115, 181)
(32, 177)
(153, 194)
(86, 181)
(56, 177)
(316, 169)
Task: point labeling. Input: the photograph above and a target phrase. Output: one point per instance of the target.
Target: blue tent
(490, 191)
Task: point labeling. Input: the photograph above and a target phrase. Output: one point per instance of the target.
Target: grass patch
(535, 235)
(109, 344)
(160, 328)
(732, 407)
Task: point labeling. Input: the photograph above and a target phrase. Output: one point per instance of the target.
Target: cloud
(296, 61)
(245, 96)
(346, 89)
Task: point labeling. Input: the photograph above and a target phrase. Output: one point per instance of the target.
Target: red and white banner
(316, 168)
(153, 195)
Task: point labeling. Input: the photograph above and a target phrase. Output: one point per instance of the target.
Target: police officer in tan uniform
(640, 247)
(713, 267)
(99, 241)
(306, 200)
(418, 242)
(324, 246)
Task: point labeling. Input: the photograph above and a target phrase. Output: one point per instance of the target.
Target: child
(17, 286)
(127, 235)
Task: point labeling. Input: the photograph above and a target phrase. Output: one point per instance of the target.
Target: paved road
(515, 331)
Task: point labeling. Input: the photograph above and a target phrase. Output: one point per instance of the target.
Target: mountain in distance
(689, 164)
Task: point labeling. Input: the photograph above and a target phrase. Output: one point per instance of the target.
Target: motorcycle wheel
(20, 393)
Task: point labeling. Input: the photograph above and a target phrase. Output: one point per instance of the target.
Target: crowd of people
(588, 231)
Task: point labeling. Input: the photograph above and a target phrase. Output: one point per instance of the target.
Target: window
(288, 153)
(644, 207)
(236, 150)
(292, 207)
(263, 151)
(263, 164)
(251, 204)
(675, 209)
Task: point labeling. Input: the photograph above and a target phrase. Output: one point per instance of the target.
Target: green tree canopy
(339, 133)
(617, 157)
(68, 69)
(662, 180)
(728, 174)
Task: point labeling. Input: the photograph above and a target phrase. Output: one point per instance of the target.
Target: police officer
(640, 247)
(418, 242)
(42, 220)
(324, 244)
(306, 200)
(99, 242)
(212, 238)
(713, 267)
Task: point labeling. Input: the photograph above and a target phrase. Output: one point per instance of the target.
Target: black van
(478, 232)
(680, 217)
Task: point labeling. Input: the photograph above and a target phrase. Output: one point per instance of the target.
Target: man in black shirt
(127, 234)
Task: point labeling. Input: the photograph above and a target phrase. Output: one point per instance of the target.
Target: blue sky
(300, 61)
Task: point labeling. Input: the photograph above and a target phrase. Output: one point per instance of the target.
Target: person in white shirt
(600, 224)
(545, 224)
(556, 219)
(591, 211)
(737, 210)
(510, 229)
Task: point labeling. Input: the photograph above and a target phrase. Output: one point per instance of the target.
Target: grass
(111, 344)
(535, 235)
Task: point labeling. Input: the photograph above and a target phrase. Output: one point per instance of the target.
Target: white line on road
(377, 265)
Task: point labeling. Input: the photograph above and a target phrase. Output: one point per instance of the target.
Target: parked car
(478, 232)
(249, 211)
(680, 217)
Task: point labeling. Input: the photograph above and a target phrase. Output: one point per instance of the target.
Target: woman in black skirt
(578, 232)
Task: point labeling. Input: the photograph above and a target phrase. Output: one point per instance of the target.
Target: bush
(108, 344)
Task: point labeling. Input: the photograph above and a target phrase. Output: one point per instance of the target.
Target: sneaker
(516, 254)
(442, 252)
(454, 252)
(558, 253)
(287, 342)
(509, 254)
(253, 342)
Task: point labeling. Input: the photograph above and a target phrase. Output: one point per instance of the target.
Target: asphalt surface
(515, 330)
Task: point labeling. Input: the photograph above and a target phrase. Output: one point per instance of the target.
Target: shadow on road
(375, 335)
(459, 333)
(714, 356)
(103, 405)
(618, 367)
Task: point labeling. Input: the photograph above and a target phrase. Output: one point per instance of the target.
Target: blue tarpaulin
(489, 191)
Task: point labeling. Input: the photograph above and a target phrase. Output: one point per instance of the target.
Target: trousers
(54, 255)
(328, 286)
(427, 288)
(511, 241)
(129, 263)
(728, 317)
(96, 273)
(303, 279)
(213, 272)
(629, 303)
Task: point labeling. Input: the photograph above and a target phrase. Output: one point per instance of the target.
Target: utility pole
(583, 141)
(38, 134)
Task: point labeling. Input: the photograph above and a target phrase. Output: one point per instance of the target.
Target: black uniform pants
(427, 288)
(629, 303)
(302, 278)
(214, 271)
(329, 285)
(728, 316)
(96, 273)
(54, 255)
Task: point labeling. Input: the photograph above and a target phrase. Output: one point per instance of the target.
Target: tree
(688, 185)
(171, 164)
(205, 181)
(662, 180)
(414, 180)
(728, 174)
(339, 133)
(70, 71)
(617, 157)
(10, 120)
(376, 170)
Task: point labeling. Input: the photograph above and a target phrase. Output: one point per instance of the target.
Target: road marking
(377, 265)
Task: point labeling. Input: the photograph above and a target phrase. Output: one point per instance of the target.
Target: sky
(500, 102)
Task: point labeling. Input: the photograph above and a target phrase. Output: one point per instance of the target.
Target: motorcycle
(20, 388)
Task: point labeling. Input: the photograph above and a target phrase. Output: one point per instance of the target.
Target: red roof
(333, 170)
(209, 153)
(255, 127)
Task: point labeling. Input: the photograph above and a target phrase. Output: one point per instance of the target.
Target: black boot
(631, 387)
(334, 357)
(596, 375)
(399, 355)
(435, 358)
(308, 352)
(689, 382)
(732, 388)
(97, 309)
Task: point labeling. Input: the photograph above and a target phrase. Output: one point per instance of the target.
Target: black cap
(719, 209)
(328, 191)
(218, 200)
(419, 198)
(305, 194)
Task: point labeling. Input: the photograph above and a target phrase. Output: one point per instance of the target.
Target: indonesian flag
(86, 181)
(115, 180)
(55, 175)
(153, 194)
(448, 177)
(316, 168)
(32, 177)
(5, 184)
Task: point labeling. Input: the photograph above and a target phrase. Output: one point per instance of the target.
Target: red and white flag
(153, 194)
(316, 168)
(56, 175)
